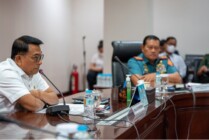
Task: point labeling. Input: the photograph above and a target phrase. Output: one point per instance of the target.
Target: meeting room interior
(140, 89)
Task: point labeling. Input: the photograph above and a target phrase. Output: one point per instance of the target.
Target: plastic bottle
(88, 105)
(82, 133)
(157, 83)
(66, 129)
(99, 76)
(128, 89)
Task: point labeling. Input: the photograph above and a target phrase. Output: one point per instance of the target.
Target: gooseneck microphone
(56, 109)
(118, 60)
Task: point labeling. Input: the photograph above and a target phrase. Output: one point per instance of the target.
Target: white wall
(187, 20)
(48, 20)
(125, 20)
(60, 24)
(87, 20)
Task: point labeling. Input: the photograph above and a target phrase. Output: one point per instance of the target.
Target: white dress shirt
(15, 83)
(179, 64)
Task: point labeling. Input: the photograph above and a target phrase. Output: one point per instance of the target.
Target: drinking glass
(164, 82)
(97, 100)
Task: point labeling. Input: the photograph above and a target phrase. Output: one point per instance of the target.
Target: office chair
(192, 61)
(124, 50)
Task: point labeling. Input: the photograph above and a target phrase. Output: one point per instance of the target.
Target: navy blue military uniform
(141, 65)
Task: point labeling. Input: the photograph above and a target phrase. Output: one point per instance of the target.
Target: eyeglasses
(153, 47)
(38, 58)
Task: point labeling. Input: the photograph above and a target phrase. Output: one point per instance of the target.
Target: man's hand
(47, 96)
(202, 70)
(149, 77)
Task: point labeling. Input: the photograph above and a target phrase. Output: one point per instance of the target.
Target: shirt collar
(146, 61)
(18, 69)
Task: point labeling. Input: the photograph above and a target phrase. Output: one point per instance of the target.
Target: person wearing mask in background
(146, 64)
(96, 66)
(203, 70)
(172, 41)
(177, 60)
(21, 85)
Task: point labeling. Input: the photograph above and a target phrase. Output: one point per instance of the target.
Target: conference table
(180, 115)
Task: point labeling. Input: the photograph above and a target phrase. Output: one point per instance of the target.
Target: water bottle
(67, 130)
(82, 133)
(88, 105)
(99, 79)
(128, 89)
(157, 83)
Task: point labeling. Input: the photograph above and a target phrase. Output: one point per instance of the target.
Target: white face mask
(171, 49)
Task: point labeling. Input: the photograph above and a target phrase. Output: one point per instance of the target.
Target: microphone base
(58, 109)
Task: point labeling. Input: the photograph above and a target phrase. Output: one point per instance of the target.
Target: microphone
(84, 37)
(118, 60)
(56, 109)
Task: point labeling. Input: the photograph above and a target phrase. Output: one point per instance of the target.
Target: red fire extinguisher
(74, 80)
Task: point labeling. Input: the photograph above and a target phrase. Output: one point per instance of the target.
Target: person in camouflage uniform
(203, 70)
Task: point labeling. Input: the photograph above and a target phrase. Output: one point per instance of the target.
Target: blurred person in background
(96, 66)
(203, 70)
(172, 41)
(177, 60)
(163, 46)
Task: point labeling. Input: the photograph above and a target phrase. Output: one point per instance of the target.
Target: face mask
(171, 49)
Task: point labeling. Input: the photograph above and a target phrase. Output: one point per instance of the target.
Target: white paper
(74, 109)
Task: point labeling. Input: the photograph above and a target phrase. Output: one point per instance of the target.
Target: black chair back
(124, 50)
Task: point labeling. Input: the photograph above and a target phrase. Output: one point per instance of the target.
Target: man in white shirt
(177, 60)
(21, 85)
(96, 66)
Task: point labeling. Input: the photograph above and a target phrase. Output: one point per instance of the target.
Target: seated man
(21, 85)
(145, 65)
(177, 60)
(203, 70)
(172, 41)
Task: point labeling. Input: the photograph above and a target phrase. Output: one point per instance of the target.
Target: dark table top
(46, 122)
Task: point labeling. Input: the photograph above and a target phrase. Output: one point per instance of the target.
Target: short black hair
(170, 37)
(100, 44)
(150, 37)
(162, 42)
(20, 45)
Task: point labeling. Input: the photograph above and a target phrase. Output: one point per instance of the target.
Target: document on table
(74, 109)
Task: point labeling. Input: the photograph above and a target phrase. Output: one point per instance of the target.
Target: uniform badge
(161, 67)
(146, 70)
(138, 58)
(170, 63)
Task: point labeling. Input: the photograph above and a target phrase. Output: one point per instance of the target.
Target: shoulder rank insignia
(138, 58)
(170, 63)
(163, 57)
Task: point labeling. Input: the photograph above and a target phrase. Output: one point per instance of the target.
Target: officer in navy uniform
(203, 70)
(146, 64)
